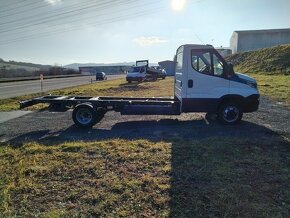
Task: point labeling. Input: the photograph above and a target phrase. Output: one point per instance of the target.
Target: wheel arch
(237, 99)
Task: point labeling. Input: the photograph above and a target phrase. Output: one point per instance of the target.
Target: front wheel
(230, 113)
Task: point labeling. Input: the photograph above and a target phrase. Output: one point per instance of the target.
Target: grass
(276, 87)
(118, 87)
(269, 60)
(141, 178)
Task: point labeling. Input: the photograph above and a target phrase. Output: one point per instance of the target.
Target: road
(13, 89)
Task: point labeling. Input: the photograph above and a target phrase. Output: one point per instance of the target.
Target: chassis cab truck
(204, 82)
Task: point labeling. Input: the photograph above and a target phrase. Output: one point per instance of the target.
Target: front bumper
(134, 78)
(251, 103)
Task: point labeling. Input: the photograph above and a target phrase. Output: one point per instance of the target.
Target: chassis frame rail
(115, 102)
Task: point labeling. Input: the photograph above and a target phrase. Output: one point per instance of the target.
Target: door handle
(190, 83)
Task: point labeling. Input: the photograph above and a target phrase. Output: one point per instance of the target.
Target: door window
(206, 62)
(201, 62)
(217, 66)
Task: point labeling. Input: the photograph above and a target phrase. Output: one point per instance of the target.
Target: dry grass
(276, 87)
(123, 178)
(118, 87)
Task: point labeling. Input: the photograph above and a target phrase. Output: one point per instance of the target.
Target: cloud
(53, 2)
(148, 41)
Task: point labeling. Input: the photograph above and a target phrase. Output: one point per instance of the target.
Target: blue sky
(55, 32)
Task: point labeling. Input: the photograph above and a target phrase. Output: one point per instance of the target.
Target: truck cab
(138, 73)
(205, 82)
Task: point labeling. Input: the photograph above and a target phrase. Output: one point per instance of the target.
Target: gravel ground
(270, 124)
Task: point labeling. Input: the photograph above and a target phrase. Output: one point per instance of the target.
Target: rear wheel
(86, 116)
(230, 113)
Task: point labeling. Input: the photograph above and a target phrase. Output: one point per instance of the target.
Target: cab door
(206, 81)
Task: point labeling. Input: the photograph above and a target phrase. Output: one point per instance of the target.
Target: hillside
(77, 65)
(22, 65)
(271, 60)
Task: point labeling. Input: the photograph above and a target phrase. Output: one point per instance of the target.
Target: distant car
(101, 76)
(161, 72)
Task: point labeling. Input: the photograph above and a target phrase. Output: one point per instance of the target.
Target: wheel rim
(84, 116)
(231, 114)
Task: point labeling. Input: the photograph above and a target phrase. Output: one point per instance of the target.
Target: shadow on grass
(216, 170)
(164, 129)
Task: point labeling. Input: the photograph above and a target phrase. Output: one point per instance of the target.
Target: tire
(230, 113)
(86, 116)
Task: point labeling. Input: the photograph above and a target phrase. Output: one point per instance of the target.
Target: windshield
(137, 69)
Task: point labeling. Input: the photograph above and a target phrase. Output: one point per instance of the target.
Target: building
(169, 66)
(248, 40)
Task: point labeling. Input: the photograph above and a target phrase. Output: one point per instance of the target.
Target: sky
(60, 32)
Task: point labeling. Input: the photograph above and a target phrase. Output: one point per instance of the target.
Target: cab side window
(201, 62)
(207, 62)
(217, 66)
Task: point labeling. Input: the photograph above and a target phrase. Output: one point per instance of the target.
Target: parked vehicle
(137, 73)
(204, 82)
(101, 76)
(161, 72)
(142, 72)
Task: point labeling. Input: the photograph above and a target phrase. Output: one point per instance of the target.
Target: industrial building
(169, 66)
(248, 40)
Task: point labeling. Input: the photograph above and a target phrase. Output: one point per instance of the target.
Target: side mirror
(230, 70)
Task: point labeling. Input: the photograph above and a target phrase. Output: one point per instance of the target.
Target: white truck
(204, 82)
(142, 72)
(138, 73)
